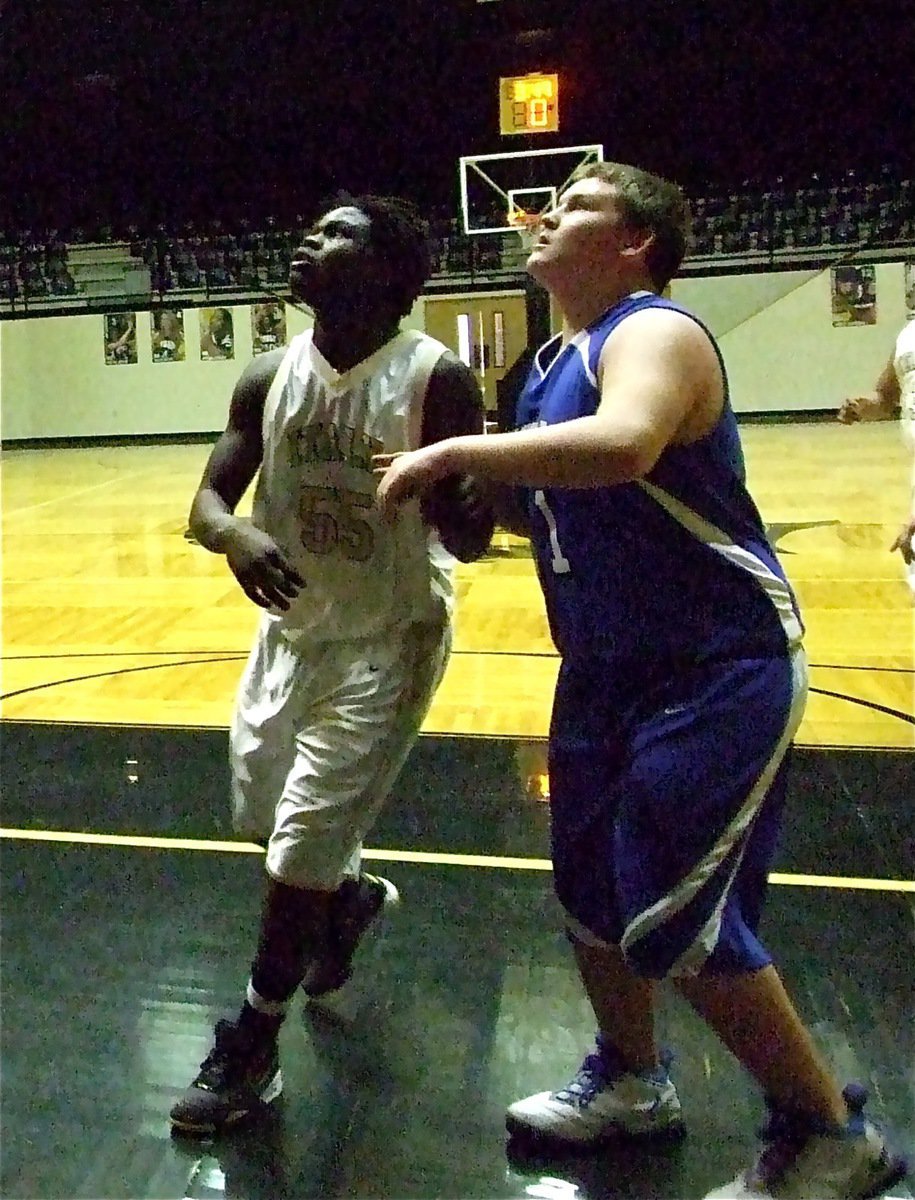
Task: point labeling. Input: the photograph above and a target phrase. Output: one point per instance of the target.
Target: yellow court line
(436, 858)
(165, 843)
(68, 498)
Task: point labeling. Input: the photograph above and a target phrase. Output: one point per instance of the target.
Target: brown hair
(652, 204)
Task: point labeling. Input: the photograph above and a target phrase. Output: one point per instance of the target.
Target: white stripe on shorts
(692, 959)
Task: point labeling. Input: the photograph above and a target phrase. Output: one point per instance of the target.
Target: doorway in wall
(487, 330)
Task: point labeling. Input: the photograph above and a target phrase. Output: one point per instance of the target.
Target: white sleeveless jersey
(315, 493)
(904, 366)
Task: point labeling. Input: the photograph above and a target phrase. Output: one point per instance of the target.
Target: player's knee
(647, 960)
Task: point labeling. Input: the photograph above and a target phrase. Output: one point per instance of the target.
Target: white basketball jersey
(315, 493)
(904, 366)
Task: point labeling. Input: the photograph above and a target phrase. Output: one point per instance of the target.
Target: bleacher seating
(777, 226)
(107, 269)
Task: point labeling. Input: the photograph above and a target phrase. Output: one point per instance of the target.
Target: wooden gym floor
(130, 910)
(109, 615)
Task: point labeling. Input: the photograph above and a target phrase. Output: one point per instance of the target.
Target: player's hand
(401, 477)
(261, 568)
(903, 542)
(860, 408)
(460, 512)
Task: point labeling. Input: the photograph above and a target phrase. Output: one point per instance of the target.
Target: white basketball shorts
(319, 735)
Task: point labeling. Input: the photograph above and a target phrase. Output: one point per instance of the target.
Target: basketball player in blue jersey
(356, 629)
(681, 684)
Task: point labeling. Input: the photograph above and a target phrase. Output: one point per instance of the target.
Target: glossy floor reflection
(117, 959)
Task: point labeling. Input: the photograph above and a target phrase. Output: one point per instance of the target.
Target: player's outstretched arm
(663, 384)
(254, 558)
(905, 538)
(882, 404)
(456, 505)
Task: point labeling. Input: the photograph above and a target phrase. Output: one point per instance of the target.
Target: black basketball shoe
(238, 1077)
(356, 907)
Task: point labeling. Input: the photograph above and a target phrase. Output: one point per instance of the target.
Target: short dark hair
(652, 204)
(400, 236)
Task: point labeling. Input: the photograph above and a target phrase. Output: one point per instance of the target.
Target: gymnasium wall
(54, 382)
(782, 352)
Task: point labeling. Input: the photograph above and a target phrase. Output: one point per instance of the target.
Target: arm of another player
(882, 404)
(508, 502)
(905, 538)
(456, 506)
(253, 557)
(660, 382)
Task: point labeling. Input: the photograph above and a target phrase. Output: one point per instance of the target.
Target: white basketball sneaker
(603, 1102)
(804, 1160)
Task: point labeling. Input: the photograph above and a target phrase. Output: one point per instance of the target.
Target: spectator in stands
(249, 276)
(30, 274)
(273, 236)
(217, 272)
(277, 266)
(9, 281)
(187, 269)
(163, 272)
(60, 281)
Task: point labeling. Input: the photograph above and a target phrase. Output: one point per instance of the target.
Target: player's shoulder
(253, 384)
(419, 337)
(260, 372)
(662, 317)
(445, 368)
(906, 335)
(451, 377)
(423, 347)
(449, 366)
(662, 328)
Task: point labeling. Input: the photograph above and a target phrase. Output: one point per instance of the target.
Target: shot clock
(529, 104)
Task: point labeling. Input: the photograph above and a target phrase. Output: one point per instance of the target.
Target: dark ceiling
(182, 110)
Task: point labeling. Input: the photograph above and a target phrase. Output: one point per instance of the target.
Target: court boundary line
(426, 857)
(526, 739)
(93, 487)
(233, 657)
(456, 653)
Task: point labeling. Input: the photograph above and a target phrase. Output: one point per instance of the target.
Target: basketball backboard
(497, 187)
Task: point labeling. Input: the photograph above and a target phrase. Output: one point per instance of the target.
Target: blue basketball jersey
(673, 567)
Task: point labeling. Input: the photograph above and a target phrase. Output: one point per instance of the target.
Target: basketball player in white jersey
(356, 630)
(894, 395)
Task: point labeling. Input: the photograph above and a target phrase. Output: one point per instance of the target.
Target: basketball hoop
(524, 223)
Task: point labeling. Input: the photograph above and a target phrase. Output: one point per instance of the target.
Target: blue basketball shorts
(666, 799)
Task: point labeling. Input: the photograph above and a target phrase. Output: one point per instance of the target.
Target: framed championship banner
(167, 335)
(268, 326)
(120, 339)
(854, 294)
(217, 334)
